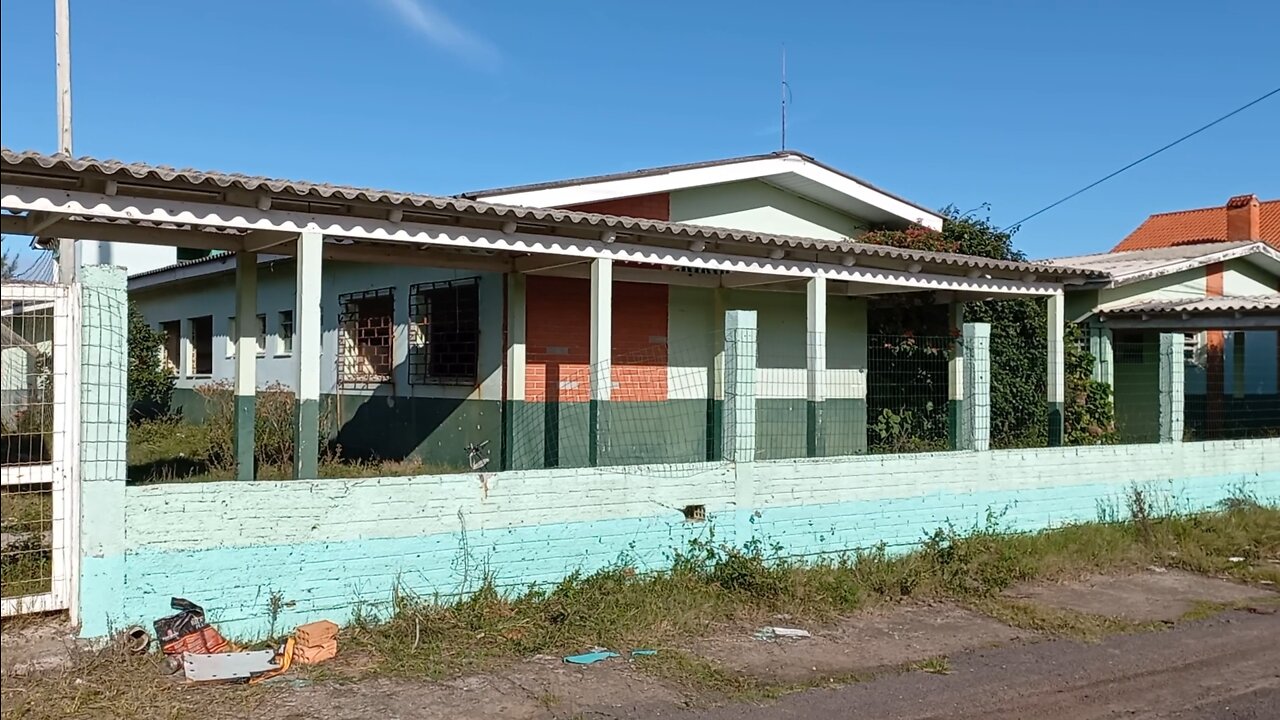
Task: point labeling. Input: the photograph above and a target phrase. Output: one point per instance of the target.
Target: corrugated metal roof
(1203, 305)
(35, 163)
(1151, 263)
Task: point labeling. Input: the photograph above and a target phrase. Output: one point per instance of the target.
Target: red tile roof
(1186, 227)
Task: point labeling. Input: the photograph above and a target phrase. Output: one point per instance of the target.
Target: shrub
(150, 388)
(272, 428)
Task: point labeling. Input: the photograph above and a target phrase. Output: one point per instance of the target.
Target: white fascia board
(868, 195)
(570, 195)
(120, 207)
(643, 185)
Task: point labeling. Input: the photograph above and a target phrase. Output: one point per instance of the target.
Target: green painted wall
(760, 207)
(1137, 386)
(1241, 277)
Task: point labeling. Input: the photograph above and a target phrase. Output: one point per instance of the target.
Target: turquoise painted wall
(760, 207)
(330, 546)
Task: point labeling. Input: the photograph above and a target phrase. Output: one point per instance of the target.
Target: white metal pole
(67, 261)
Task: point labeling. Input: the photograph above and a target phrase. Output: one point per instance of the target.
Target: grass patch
(169, 450)
(711, 586)
(1059, 622)
(934, 665)
(26, 555)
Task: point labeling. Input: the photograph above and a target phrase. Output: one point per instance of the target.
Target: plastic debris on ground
(592, 656)
(188, 631)
(776, 633)
(199, 650)
(643, 653)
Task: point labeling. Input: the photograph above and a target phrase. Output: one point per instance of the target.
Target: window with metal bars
(444, 332)
(366, 336)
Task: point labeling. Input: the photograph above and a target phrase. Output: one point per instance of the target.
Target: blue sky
(1009, 103)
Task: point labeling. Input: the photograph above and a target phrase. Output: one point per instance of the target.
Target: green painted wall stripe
(306, 440)
(245, 407)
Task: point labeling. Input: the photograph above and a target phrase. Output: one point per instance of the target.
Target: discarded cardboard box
(316, 633)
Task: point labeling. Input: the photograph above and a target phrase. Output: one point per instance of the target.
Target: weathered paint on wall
(329, 546)
(760, 207)
(1179, 286)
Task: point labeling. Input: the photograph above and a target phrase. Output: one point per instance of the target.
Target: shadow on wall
(381, 421)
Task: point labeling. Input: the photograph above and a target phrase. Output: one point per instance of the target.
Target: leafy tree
(1019, 359)
(150, 382)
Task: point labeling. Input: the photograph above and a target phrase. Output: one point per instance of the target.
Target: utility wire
(1145, 158)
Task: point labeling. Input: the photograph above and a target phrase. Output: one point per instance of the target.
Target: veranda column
(601, 370)
(246, 361)
(515, 455)
(1056, 368)
(816, 365)
(955, 378)
(306, 439)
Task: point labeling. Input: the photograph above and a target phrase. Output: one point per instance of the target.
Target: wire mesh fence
(1231, 385)
(33, 431)
(662, 405)
(1136, 386)
(908, 408)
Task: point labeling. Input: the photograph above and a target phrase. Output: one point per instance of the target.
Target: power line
(1145, 158)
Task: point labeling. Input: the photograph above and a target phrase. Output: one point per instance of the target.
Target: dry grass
(164, 451)
(708, 587)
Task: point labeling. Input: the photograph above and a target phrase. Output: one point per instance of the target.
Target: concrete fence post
(1172, 389)
(104, 338)
(739, 423)
(975, 422)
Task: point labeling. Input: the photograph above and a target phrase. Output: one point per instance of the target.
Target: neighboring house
(413, 354)
(25, 335)
(1212, 274)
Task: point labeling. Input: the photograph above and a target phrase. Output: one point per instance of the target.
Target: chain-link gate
(39, 412)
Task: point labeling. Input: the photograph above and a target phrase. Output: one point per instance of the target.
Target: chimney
(1243, 219)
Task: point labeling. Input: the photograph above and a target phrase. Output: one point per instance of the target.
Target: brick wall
(650, 207)
(558, 312)
(328, 547)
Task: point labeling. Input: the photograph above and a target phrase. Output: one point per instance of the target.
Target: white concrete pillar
(601, 370)
(739, 423)
(816, 364)
(1057, 368)
(975, 426)
(955, 377)
(514, 442)
(246, 361)
(306, 355)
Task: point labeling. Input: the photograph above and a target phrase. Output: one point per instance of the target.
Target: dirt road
(1218, 669)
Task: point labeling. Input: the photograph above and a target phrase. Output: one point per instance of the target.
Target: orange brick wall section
(649, 207)
(1215, 347)
(557, 351)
